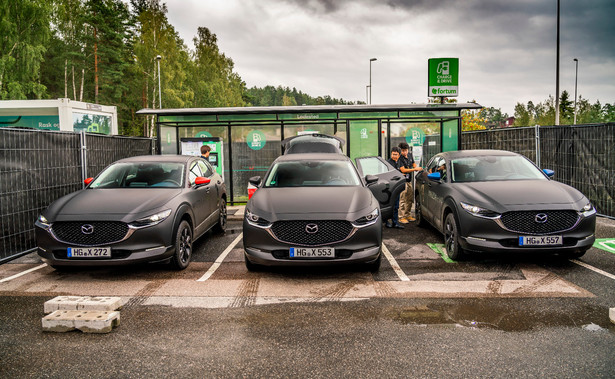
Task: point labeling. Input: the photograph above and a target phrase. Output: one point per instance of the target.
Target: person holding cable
(407, 166)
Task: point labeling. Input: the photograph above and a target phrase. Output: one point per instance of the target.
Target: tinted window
(140, 175)
(312, 173)
(195, 171)
(372, 166)
(205, 168)
(437, 164)
(489, 168)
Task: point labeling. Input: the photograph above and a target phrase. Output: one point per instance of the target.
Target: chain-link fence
(582, 156)
(38, 167)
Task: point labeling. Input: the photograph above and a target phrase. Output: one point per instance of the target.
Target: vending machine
(192, 146)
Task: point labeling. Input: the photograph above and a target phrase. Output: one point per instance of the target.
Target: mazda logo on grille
(540, 218)
(87, 229)
(311, 228)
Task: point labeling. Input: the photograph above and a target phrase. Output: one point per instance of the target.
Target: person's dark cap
(404, 146)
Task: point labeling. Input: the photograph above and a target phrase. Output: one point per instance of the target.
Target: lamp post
(557, 72)
(576, 75)
(158, 58)
(366, 94)
(370, 79)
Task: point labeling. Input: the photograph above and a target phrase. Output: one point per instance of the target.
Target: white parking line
(23, 273)
(218, 261)
(393, 262)
(594, 269)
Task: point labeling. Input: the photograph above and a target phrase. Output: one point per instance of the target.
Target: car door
(199, 197)
(391, 182)
(433, 191)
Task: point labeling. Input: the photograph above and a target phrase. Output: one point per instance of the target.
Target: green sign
(256, 140)
(443, 77)
(34, 122)
(203, 134)
(415, 137)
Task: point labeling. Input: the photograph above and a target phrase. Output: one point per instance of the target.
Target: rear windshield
(312, 173)
(141, 175)
(491, 168)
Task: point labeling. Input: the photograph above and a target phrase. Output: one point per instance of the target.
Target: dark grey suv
(140, 209)
(312, 209)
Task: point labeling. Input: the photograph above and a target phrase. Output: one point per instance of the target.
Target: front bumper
(487, 235)
(149, 244)
(262, 248)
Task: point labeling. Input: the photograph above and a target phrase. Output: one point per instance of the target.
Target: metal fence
(582, 156)
(38, 167)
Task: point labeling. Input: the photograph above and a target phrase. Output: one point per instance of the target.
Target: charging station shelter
(250, 137)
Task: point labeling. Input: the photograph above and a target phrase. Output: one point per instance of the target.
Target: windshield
(312, 173)
(141, 175)
(490, 168)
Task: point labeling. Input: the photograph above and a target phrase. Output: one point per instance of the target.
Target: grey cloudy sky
(506, 49)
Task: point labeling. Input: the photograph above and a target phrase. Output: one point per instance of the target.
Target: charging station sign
(443, 77)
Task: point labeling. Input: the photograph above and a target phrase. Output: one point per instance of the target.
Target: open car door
(390, 182)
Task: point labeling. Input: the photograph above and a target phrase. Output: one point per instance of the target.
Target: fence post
(84, 159)
(537, 145)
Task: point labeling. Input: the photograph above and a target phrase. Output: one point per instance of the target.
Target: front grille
(294, 232)
(104, 232)
(525, 221)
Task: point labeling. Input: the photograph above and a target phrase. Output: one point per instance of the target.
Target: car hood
(312, 202)
(518, 194)
(116, 203)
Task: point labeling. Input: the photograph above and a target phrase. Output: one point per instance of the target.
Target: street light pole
(576, 75)
(158, 58)
(557, 72)
(366, 94)
(370, 79)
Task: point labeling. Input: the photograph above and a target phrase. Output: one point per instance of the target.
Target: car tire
(375, 265)
(451, 238)
(183, 246)
(220, 227)
(252, 267)
(418, 215)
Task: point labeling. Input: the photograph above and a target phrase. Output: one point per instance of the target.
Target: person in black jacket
(395, 162)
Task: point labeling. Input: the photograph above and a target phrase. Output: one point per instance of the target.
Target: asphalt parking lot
(421, 315)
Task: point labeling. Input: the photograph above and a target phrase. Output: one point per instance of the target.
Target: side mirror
(548, 172)
(88, 181)
(200, 180)
(435, 176)
(255, 181)
(369, 179)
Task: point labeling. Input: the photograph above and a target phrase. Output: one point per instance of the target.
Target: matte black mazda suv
(140, 209)
(312, 209)
(498, 201)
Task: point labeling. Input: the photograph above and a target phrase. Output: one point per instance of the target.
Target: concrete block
(86, 321)
(85, 303)
(612, 315)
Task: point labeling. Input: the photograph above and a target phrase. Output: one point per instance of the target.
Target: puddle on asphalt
(510, 318)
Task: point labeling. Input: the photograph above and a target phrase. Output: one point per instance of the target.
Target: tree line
(104, 51)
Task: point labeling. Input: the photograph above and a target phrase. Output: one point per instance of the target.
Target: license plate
(540, 241)
(89, 252)
(312, 252)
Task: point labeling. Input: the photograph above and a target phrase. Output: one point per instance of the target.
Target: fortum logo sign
(443, 77)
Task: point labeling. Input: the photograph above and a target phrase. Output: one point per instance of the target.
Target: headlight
(42, 222)
(478, 211)
(255, 220)
(588, 210)
(370, 219)
(152, 220)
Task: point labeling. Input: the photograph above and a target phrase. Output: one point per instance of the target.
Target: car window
(205, 168)
(438, 164)
(372, 166)
(140, 175)
(312, 173)
(490, 168)
(195, 171)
